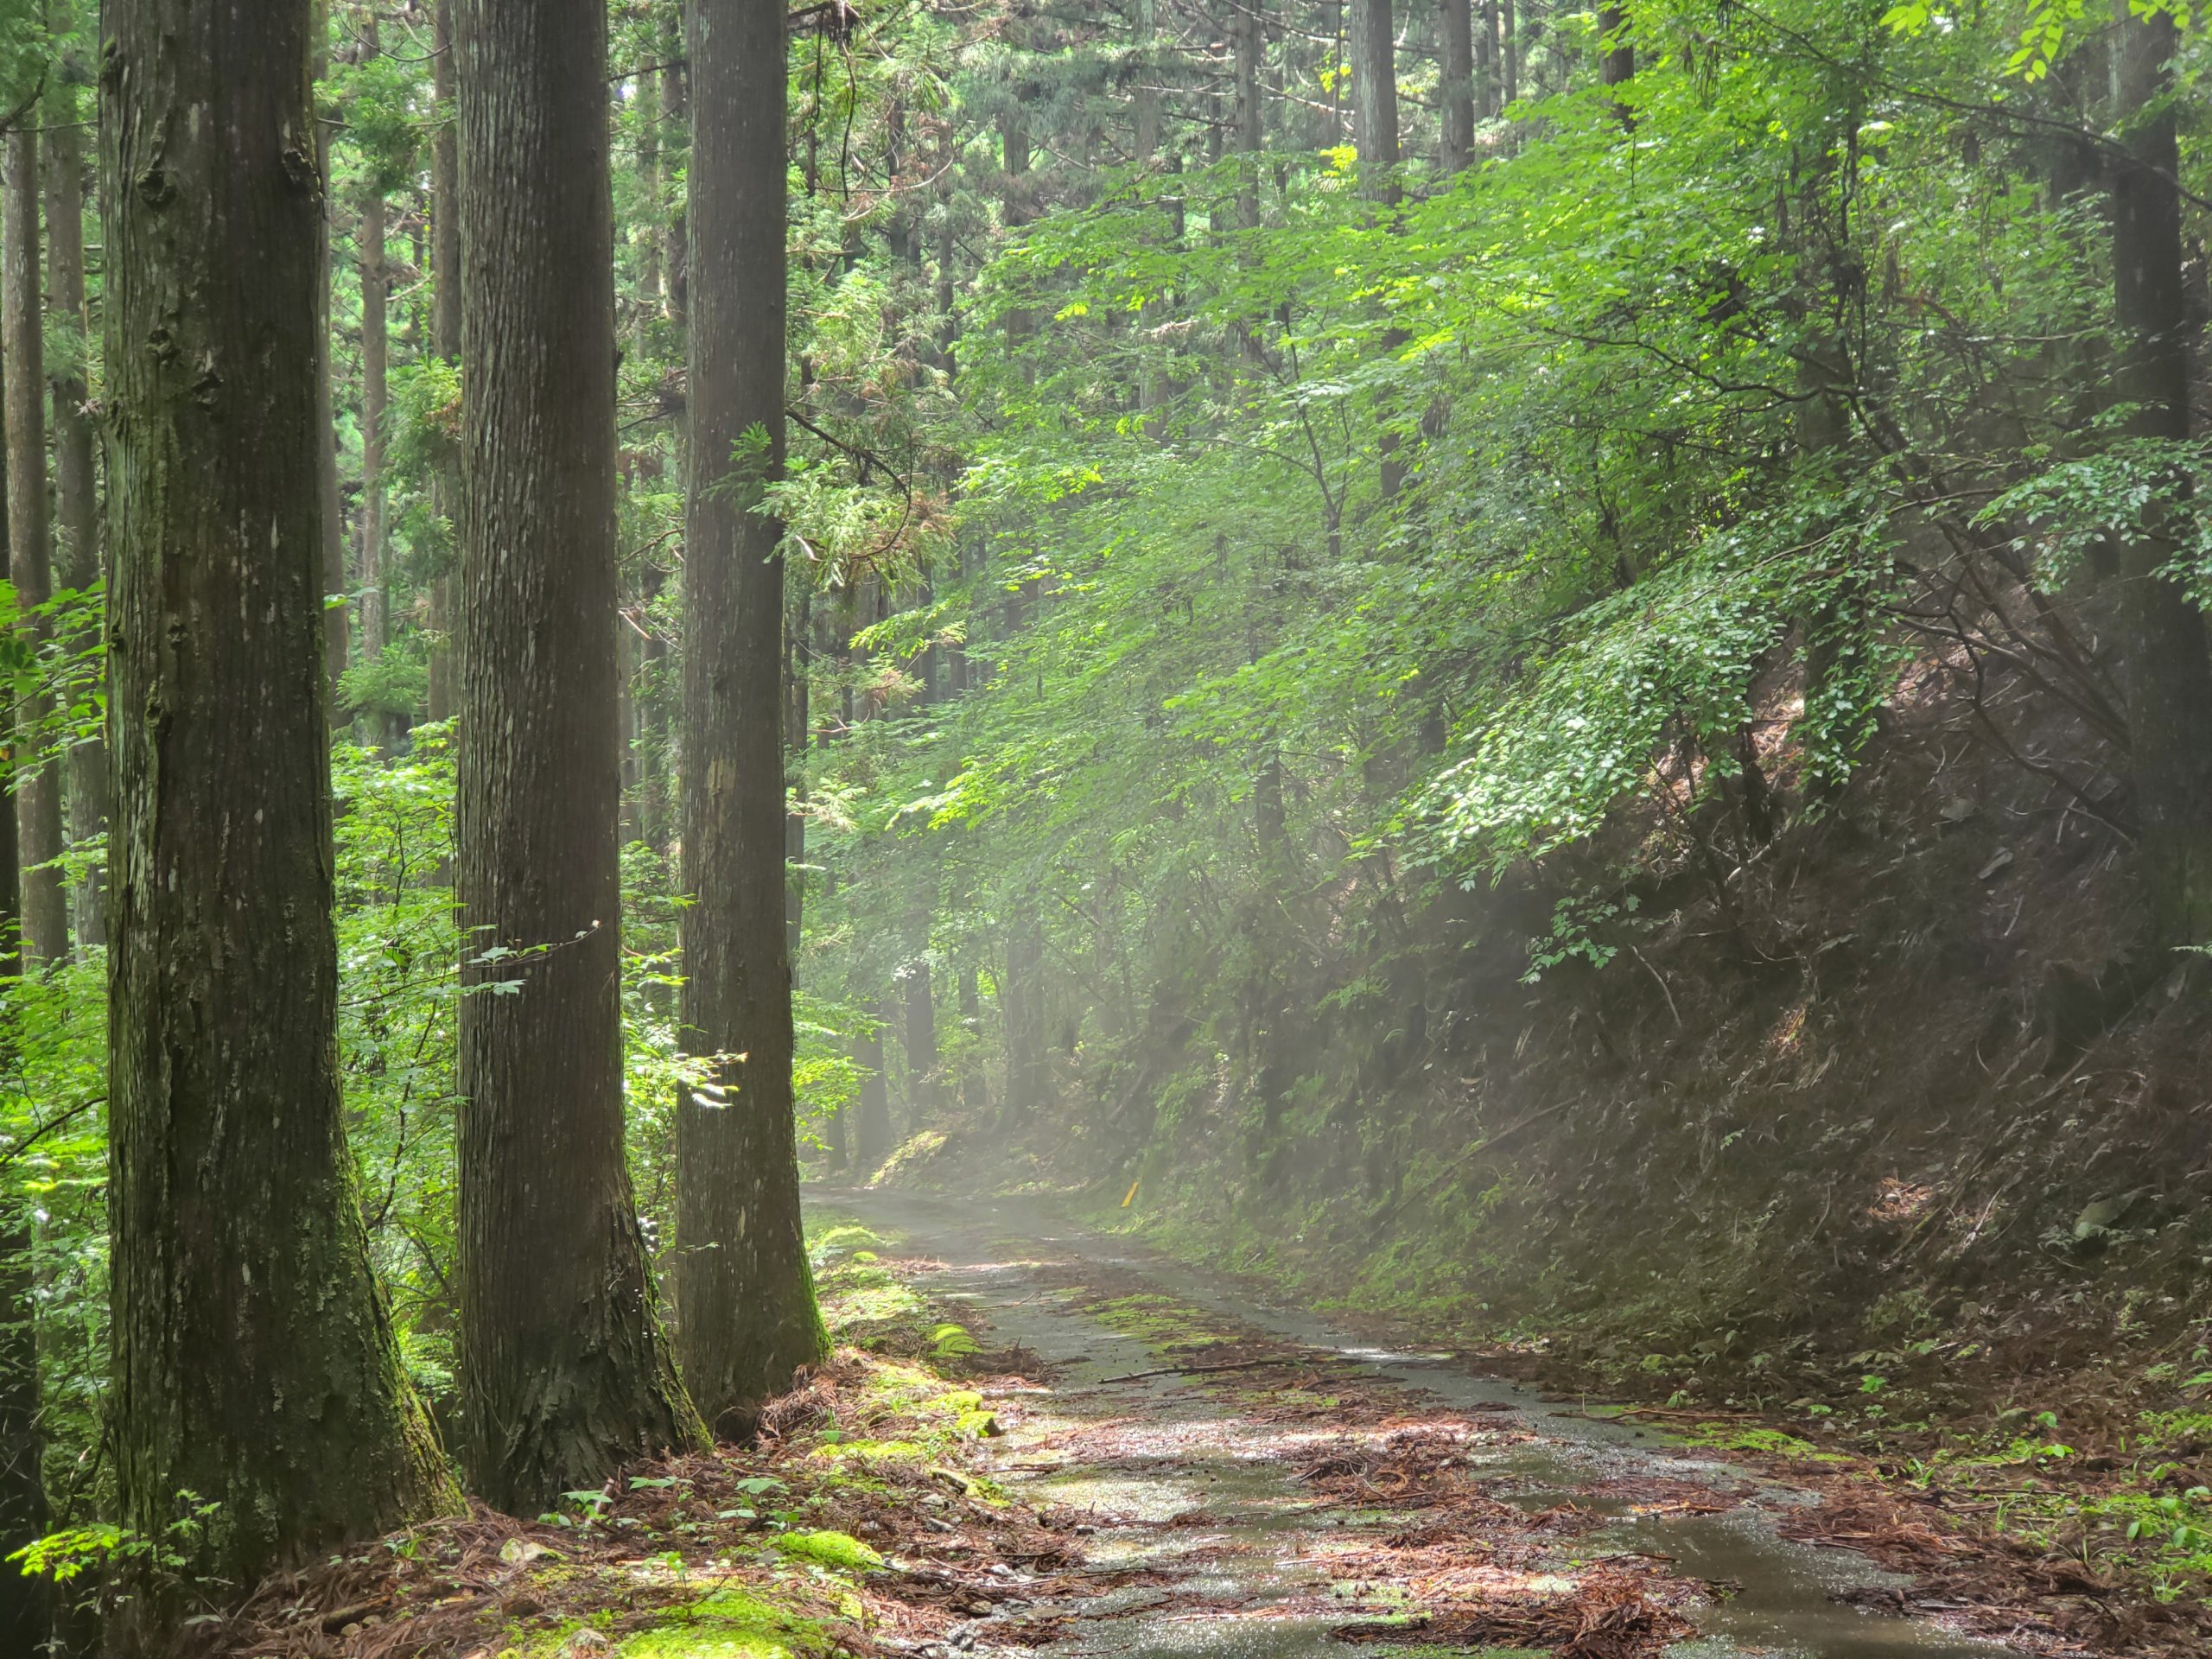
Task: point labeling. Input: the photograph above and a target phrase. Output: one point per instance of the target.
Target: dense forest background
(1541, 665)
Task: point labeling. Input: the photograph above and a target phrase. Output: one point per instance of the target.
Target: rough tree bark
(337, 621)
(975, 1083)
(871, 1112)
(1375, 89)
(920, 1037)
(445, 341)
(743, 1286)
(647, 92)
(565, 1370)
(2168, 669)
(798, 642)
(1146, 97)
(254, 1360)
(24, 1606)
(23, 322)
(372, 267)
(1508, 51)
(1457, 148)
(1021, 1007)
(1375, 96)
(676, 114)
(1014, 204)
(948, 242)
(1251, 30)
(1616, 64)
(1486, 87)
(75, 486)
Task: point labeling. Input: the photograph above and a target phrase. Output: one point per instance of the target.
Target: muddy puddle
(1265, 1521)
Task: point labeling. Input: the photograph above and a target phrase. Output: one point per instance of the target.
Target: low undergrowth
(803, 1545)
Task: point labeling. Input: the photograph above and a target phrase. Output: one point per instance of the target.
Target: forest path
(1253, 1483)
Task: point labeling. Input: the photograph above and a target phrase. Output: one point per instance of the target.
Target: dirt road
(1252, 1483)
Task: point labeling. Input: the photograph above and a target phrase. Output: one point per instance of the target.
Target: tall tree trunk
(26, 1614)
(656, 807)
(1021, 1007)
(1486, 87)
(626, 721)
(747, 1300)
(372, 268)
(2167, 669)
(1374, 94)
(948, 242)
(1616, 68)
(798, 642)
(649, 298)
(1509, 50)
(1013, 160)
(75, 483)
(25, 1609)
(1145, 101)
(445, 341)
(1251, 49)
(337, 624)
(1374, 77)
(872, 1113)
(254, 1360)
(675, 116)
(974, 1082)
(38, 782)
(566, 1372)
(920, 1036)
(1457, 147)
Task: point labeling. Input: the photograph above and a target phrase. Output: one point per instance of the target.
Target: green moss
(904, 1167)
(899, 1383)
(872, 1450)
(729, 1624)
(841, 1239)
(1157, 1321)
(1735, 1437)
(862, 1301)
(837, 1549)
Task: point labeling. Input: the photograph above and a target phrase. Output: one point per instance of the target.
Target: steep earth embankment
(1887, 1122)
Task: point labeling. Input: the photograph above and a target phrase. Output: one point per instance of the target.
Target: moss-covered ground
(789, 1548)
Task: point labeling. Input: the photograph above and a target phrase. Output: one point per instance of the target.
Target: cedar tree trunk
(742, 1287)
(565, 1370)
(254, 1361)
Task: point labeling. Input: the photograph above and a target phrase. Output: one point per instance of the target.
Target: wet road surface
(1204, 1497)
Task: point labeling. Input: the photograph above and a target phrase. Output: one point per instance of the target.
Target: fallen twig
(1241, 1366)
